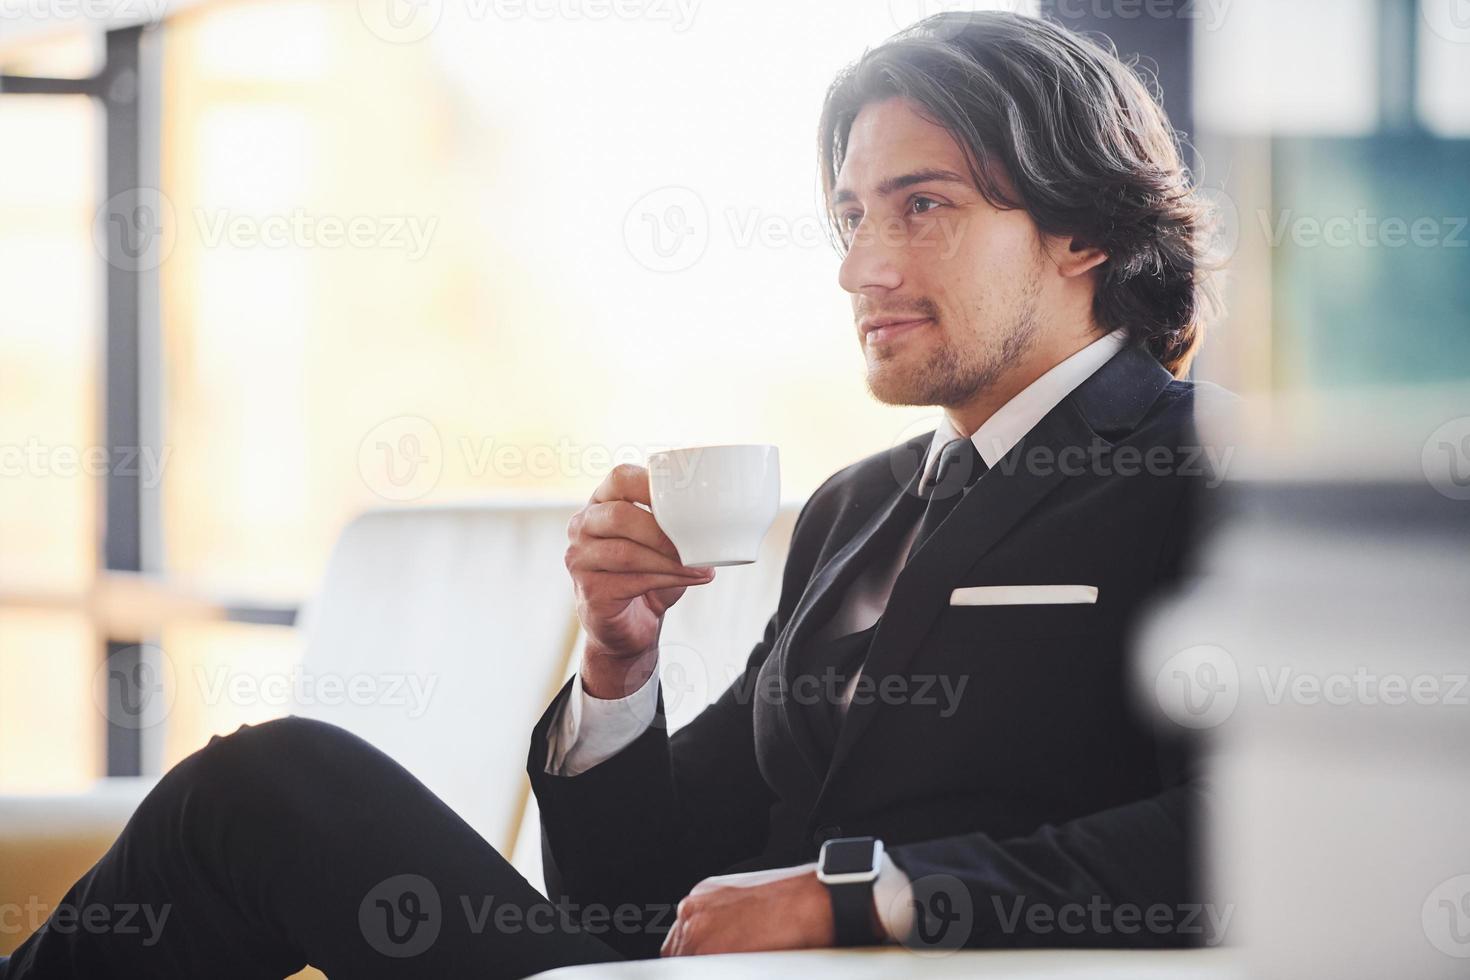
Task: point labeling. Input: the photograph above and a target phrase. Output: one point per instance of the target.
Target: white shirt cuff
(894, 897)
(590, 730)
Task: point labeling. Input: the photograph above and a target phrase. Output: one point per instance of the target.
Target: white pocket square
(1023, 595)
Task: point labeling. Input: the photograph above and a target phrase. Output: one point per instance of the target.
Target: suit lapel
(819, 601)
(1112, 400)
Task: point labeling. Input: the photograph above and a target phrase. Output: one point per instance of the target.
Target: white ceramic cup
(715, 503)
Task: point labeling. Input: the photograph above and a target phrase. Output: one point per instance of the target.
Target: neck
(968, 416)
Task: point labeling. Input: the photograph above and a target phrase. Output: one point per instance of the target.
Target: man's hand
(627, 574)
(786, 908)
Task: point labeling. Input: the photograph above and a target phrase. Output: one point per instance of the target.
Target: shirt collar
(1015, 418)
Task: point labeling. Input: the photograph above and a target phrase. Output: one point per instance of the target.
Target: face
(974, 283)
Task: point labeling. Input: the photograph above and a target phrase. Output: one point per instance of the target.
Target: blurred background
(268, 263)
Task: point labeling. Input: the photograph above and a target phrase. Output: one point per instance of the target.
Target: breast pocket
(1017, 612)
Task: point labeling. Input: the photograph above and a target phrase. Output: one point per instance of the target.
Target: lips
(885, 330)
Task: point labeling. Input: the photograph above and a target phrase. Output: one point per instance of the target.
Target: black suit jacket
(1042, 786)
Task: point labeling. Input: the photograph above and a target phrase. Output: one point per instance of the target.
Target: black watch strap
(849, 866)
(852, 915)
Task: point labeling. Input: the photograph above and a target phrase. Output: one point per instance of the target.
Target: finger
(622, 519)
(626, 555)
(670, 945)
(626, 481)
(618, 588)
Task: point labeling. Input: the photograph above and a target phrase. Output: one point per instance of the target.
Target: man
(1020, 244)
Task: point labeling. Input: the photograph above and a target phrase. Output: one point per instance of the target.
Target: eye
(845, 219)
(917, 198)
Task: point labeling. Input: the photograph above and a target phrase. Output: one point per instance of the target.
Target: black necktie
(959, 466)
(829, 665)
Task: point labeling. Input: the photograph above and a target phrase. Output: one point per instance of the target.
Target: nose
(871, 264)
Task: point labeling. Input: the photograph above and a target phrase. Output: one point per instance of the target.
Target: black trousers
(296, 842)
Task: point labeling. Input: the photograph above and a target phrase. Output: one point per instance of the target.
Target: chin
(892, 385)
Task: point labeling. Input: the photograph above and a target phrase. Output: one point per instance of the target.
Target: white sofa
(475, 600)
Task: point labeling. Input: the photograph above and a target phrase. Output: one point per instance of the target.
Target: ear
(1072, 256)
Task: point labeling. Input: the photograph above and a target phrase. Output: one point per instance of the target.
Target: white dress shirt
(590, 730)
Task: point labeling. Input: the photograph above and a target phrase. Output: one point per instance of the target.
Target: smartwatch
(848, 866)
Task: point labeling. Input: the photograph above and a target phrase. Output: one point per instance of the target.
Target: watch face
(846, 857)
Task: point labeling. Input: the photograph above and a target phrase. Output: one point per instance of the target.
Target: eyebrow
(891, 184)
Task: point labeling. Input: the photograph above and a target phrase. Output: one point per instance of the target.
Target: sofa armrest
(48, 842)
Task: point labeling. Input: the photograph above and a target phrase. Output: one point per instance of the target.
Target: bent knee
(258, 762)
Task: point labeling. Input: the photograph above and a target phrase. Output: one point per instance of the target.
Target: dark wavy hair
(1078, 137)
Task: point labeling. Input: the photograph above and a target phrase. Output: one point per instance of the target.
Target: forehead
(891, 137)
